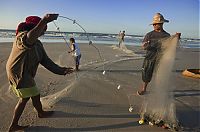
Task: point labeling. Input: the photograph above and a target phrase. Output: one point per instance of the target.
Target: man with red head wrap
(27, 53)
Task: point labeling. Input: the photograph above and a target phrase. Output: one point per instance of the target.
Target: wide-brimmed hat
(158, 18)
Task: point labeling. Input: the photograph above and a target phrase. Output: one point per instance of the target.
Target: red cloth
(20, 27)
(33, 19)
(30, 23)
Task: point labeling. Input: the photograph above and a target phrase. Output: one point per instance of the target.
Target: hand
(144, 44)
(50, 17)
(68, 70)
(178, 35)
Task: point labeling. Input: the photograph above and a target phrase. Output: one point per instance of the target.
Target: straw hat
(158, 18)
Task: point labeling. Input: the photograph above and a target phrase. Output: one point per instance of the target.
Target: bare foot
(45, 114)
(141, 92)
(17, 128)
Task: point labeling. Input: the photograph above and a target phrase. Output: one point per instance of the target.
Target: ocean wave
(98, 38)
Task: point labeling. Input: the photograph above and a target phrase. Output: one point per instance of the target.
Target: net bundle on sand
(159, 107)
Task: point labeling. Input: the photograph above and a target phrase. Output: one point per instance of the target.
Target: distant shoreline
(7, 35)
(89, 33)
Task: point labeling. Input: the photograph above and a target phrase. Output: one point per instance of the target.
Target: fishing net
(159, 106)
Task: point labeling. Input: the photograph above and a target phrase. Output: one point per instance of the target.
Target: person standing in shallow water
(75, 50)
(27, 53)
(121, 38)
(152, 45)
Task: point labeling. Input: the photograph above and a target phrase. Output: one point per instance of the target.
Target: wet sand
(90, 101)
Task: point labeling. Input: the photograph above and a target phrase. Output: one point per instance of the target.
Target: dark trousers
(77, 59)
(147, 70)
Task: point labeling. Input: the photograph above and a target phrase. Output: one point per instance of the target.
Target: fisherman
(152, 44)
(27, 53)
(75, 50)
(121, 38)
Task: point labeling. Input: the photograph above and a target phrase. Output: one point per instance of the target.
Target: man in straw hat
(152, 45)
(27, 53)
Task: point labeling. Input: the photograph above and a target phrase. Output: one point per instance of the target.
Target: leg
(75, 58)
(19, 108)
(38, 106)
(143, 88)
(77, 67)
(147, 72)
(37, 103)
(119, 43)
(78, 62)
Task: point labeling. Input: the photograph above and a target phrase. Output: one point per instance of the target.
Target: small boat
(194, 73)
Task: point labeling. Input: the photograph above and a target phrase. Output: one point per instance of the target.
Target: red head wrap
(30, 23)
(33, 20)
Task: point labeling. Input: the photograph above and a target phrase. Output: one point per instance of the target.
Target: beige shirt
(23, 62)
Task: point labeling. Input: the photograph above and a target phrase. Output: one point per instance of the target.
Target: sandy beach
(90, 101)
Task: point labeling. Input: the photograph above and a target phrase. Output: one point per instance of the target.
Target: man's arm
(145, 45)
(73, 48)
(38, 30)
(51, 66)
(145, 42)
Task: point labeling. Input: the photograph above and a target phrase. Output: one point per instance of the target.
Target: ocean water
(96, 38)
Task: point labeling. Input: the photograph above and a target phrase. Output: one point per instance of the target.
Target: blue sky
(107, 16)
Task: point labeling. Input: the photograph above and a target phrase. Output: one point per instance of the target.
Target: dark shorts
(147, 70)
(77, 59)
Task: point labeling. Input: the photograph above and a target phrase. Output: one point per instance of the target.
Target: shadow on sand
(60, 114)
(95, 128)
